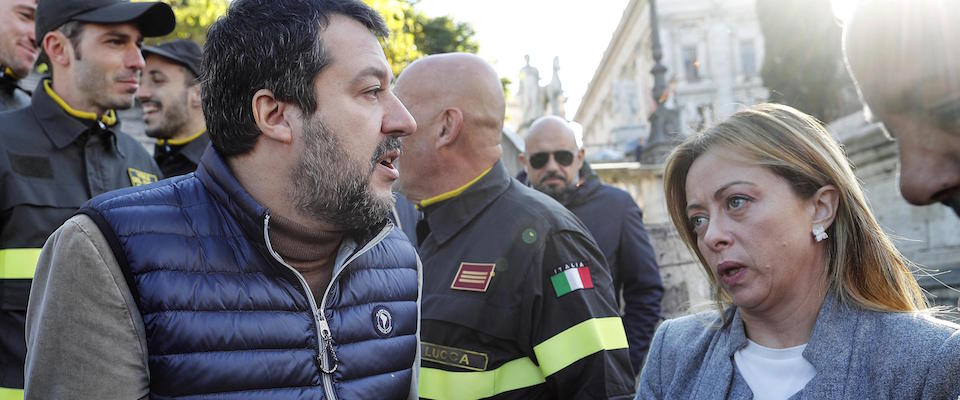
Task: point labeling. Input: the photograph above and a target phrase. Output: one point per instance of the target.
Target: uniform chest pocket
(475, 311)
(24, 191)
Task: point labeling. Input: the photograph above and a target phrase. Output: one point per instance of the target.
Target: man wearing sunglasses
(555, 165)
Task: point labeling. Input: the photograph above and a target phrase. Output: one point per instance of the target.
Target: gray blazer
(858, 354)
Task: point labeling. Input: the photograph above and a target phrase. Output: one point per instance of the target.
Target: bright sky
(843, 8)
(576, 31)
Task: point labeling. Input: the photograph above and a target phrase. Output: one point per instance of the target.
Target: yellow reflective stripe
(516, 374)
(178, 142)
(579, 341)
(11, 394)
(451, 194)
(109, 118)
(18, 264)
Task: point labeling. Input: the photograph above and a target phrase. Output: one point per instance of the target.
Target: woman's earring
(819, 233)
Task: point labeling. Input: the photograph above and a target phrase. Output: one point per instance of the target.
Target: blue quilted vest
(225, 317)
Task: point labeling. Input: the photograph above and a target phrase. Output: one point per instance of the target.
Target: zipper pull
(326, 344)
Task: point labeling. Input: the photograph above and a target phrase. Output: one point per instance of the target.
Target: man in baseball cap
(151, 18)
(67, 146)
(18, 51)
(172, 112)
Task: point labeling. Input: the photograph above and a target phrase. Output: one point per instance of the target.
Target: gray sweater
(858, 354)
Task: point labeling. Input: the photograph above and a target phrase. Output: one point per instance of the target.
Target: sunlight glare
(843, 9)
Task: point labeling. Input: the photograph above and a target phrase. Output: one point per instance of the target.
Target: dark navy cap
(181, 51)
(153, 18)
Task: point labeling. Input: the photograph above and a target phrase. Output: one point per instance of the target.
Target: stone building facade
(712, 50)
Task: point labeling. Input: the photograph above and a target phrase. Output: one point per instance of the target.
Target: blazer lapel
(830, 349)
(716, 376)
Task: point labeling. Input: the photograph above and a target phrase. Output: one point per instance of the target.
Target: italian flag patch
(572, 277)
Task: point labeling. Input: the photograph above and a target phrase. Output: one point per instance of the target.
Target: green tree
(444, 35)
(400, 48)
(194, 17)
(803, 64)
(414, 35)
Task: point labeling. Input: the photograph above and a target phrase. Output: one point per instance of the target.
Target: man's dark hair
(73, 30)
(267, 44)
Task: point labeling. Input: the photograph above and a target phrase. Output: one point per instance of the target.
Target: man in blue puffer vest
(272, 271)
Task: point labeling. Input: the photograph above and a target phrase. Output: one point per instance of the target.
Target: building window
(748, 58)
(691, 63)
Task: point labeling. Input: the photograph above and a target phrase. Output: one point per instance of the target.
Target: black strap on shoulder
(118, 252)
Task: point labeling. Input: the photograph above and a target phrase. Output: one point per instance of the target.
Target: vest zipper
(323, 328)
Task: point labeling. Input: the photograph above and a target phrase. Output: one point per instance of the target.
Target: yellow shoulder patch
(138, 177)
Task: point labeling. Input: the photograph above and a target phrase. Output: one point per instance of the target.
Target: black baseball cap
(153, 18)
(181, 51)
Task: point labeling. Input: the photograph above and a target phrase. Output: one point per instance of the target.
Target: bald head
(551, 156)
(458, 103)
(459, 80)
(918, 38)
(552, 128)
(904, 56)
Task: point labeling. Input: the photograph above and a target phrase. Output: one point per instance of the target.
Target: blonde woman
(815, 302)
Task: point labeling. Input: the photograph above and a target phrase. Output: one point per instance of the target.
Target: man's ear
(194, 100)
(58, 48)
(825, 202)
(268, 114)
(452, 121)
(522, 158)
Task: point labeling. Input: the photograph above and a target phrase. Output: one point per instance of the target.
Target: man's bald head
(550, 143)
(457, 80)
(904, 56)
(458, 103)
(553, 127)
(920, 39)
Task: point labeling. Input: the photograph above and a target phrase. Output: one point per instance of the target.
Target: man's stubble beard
(330, 186)
(10, 60)
(559, 194)
(92, 80)
(173, 119)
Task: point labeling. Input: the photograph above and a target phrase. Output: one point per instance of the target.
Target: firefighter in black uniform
(170, 98)
(516, 301)
(66, 146)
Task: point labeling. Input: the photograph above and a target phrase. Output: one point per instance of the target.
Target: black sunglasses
(563, 157)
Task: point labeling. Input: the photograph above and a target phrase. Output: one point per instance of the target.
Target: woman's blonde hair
(864, 267)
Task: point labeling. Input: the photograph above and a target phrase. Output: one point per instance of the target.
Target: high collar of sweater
(301, 245)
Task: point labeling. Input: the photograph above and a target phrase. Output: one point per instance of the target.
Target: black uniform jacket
(180, 157)
(516, 301)
(50, 164)
(616, 223)
(12, 97)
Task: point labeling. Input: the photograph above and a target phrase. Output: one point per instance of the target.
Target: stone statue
(554, 92)
(537, 101)
(531, 96)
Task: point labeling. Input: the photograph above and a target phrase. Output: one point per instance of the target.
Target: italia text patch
(474, 277)
(453, 356)
(570, 277)
(138, 177)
